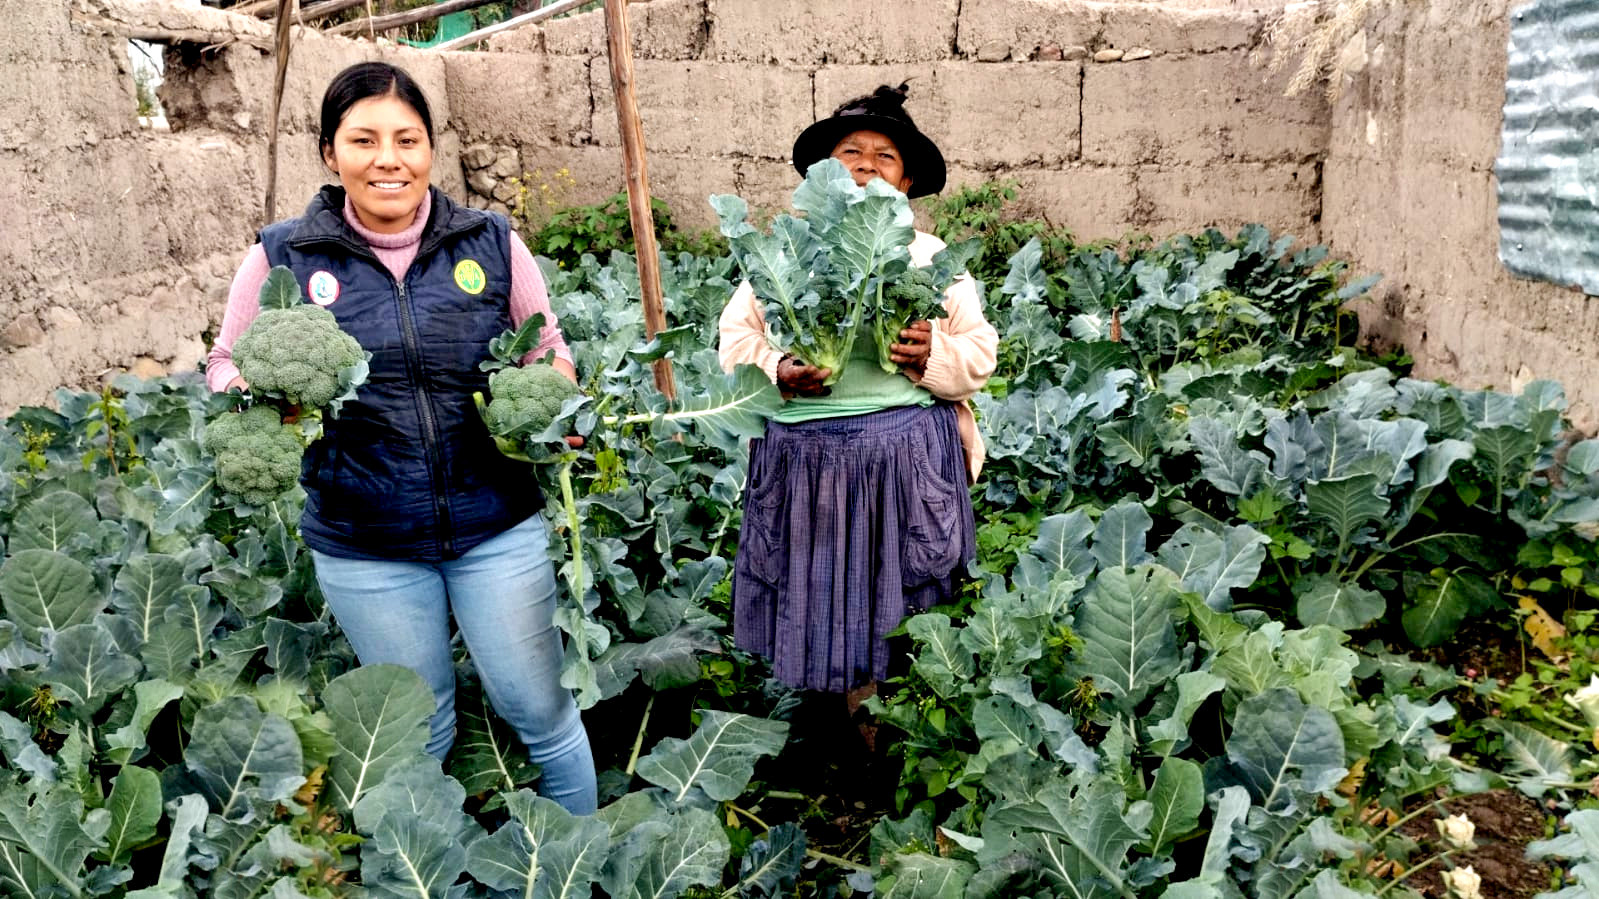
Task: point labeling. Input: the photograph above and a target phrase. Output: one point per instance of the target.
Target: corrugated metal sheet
(1549, 158)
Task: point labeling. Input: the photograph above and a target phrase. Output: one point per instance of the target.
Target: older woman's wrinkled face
(870, 154)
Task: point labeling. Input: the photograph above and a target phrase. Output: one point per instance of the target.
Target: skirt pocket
(762, 550)
(932, 530)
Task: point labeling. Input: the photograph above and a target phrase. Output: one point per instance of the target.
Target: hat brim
(923, 161)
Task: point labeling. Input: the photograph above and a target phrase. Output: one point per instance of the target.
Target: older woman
(857, 509)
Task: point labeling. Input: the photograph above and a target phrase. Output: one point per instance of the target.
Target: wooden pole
(327, 8)
(281, 52)
(392, 21)
(261, 8)
(638, 184)
(207, 39)
(537, 15)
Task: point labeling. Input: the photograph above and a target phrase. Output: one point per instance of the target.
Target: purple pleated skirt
(849, 524)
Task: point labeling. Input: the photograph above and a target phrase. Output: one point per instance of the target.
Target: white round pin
(324, 288)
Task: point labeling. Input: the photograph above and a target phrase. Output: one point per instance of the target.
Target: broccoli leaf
(280, 290)
(509, 348)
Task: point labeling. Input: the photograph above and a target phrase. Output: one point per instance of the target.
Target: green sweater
(863, 388)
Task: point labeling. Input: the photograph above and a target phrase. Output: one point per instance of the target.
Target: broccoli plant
(918, 295)
(530, 416)
(526, 400)
(844, 267)
(296, 352)
(257, 455)
(822, 276)
(300, 365)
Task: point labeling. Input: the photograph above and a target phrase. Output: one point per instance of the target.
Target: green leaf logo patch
(469, 276)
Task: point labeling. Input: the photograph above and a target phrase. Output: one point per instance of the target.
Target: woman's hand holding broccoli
(915, 345)
(796, 378)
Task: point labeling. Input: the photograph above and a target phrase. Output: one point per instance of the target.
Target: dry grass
(1315, 32)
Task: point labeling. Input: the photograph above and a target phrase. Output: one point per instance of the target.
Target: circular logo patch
(324, 288)
(469, 276)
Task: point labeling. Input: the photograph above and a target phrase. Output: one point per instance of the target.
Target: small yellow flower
(1463, 883)
(1457, 831)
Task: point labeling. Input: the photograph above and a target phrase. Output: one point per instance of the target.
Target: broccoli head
(299, 354)
(257, 455)
(524, 401)
(912, 297)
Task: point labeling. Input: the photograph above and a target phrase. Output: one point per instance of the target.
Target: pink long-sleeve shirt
(396, 252)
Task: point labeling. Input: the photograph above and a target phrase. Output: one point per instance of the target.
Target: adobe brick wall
(123, 240)
(1409, 191)
(1009, 88)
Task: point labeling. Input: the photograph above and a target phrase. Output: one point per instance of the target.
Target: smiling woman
(412, 515)
(382, 153)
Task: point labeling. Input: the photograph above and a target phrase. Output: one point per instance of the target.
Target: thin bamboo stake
(374, 24)
(537, 15)
(638, 185)
(328, 7)
(281, 52)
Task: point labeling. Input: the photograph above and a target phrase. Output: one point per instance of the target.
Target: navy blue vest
(408, 471)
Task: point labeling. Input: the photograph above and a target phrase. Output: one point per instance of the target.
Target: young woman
(411, 512)
(857, 509)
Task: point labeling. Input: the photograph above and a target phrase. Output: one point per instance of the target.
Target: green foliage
(1581, 847)
(109, 433)
(1148, 686)
(606, 227)
(1111, 812)
(982, 211)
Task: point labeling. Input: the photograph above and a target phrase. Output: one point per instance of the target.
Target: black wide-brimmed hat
(882, 111)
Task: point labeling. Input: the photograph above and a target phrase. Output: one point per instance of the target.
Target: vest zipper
(430, 436)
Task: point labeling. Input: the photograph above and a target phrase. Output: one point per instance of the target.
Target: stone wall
(1409, 191)
(1114, 116)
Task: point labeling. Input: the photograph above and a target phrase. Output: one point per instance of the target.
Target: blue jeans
(503, 596)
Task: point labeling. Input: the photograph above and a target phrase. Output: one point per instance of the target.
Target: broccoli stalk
(574, 530)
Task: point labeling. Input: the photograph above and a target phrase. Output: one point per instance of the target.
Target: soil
(827, 777)
(848, 784)
(1506, 822)
(1482, 645)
